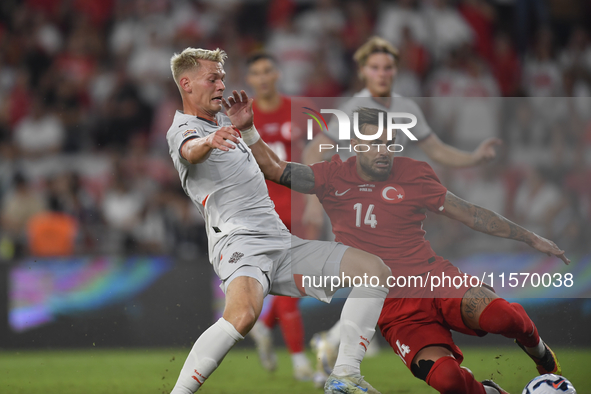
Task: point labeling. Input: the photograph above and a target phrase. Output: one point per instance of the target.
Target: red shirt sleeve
(321, 176)
(433, 192)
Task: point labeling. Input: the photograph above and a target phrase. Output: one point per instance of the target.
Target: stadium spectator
(577, 54)
(52, 233)
(447, 28)
(541, 72)
(358, 26)
(506, 66)
(40, 133)
(477, 114)
(150, 230)
(538, 202)
(525, 11)
(324, 19)
(481, 17)
(294, 51)
(123, 115)
(393, 18)
(413, 56)
(18, 207)
(121, 209)
(147, 64)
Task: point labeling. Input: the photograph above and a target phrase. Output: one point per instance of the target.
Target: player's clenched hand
(223, 139)
(486, 150)
(239, 110)
(546, 246)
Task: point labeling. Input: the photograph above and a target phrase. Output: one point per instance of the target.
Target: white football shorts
(278, 261)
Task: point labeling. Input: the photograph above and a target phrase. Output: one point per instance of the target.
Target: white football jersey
(228, 188)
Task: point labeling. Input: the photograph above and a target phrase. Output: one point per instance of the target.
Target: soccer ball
(549, 384)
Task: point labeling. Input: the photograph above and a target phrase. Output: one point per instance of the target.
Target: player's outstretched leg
(358, 321)
(244, 300)
(484, 310)
(437, 366)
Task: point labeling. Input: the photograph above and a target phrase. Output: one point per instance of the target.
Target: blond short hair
(189, 58)
(374, 45)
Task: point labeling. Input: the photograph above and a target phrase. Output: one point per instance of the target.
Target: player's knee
(375, 266)
(243, 320)
(422, 368)
(383, 271)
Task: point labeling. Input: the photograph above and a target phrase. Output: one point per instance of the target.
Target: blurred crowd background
(86, 98)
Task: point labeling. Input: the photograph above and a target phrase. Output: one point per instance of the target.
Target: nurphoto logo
(344, 124)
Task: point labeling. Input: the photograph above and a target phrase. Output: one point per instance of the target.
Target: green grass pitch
(154, 371)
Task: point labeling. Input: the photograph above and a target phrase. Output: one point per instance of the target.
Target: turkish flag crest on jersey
(393, 194)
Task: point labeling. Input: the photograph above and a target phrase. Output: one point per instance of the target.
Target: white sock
(490, 390)
(299, 360)
(537, 351)
(205, 356)
(333, 336)
(358, 324)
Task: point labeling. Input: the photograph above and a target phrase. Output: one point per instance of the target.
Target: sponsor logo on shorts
(235, 257)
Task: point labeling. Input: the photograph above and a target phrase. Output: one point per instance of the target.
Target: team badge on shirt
(189, 132)
(393, 194)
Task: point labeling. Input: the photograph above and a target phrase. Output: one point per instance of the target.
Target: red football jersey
(383, 218)
(276, 130)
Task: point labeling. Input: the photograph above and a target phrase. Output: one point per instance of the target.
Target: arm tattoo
(473, 303)
(298, 177)
(489, 222)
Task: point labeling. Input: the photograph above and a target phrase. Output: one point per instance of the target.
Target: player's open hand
(224, 139)
(546, 246)
(486, 150)
(239, 110)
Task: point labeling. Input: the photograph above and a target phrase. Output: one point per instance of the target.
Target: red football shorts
(411, 324)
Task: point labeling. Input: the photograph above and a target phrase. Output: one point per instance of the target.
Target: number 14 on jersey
(370, 218)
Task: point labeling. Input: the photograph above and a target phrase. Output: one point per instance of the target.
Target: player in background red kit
(377, 203)
(272, 112)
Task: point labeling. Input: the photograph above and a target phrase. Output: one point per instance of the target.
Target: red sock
(290, 320)
(447, 377)
(509, 320)
(270, 318)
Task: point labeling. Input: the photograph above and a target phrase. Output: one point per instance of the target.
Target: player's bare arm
(489, 222)
(449, 156)
(298, 177)
(197, 150)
